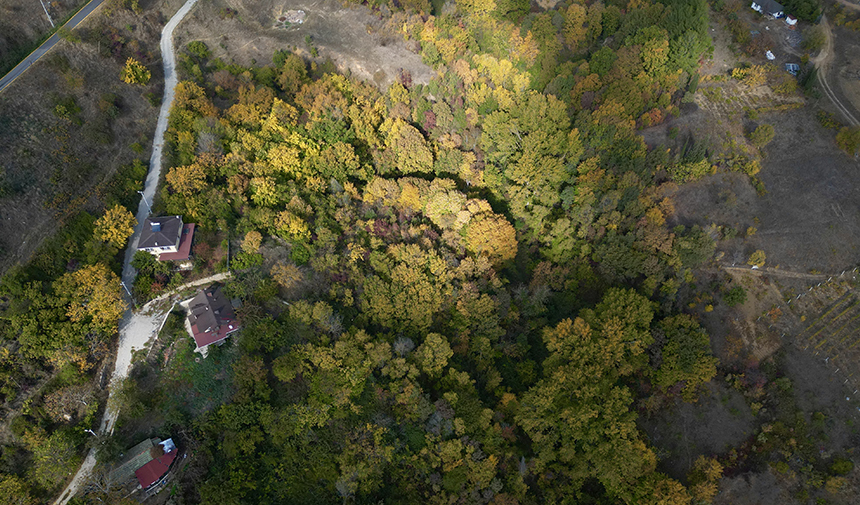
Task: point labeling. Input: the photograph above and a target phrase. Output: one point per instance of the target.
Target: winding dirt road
(822, 62)
(136, 329)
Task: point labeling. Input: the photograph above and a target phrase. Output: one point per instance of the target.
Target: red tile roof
(211, 316)
(184, 245)
(149, 473)
(204, 338)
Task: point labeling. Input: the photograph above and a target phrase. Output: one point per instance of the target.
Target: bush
(848, 139)
(135, 72)
(762, 135)
(735, 296)
(757, 259)
(199, 48)
(813, 39)
(841, 466)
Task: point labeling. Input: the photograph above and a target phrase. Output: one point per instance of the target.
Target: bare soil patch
(719, 421)
(356, 39)
(807, 220)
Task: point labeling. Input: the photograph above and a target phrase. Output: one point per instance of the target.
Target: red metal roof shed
(149, 473)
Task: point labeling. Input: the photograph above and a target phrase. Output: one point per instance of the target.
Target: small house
(768, 8)
(148, 463)
(167, 238)
(211, 317)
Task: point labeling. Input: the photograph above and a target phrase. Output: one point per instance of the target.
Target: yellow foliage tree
(188, 179)
(703, 479)
(292, 227)
(252, 242)
(115, 226)
(492, 236)
(135, 72)
(287, 275)
(92, 294)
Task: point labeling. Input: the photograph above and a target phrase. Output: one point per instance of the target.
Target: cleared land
(353, 37)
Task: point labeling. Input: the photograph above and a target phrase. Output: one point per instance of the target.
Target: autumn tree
(433, 355)
(703, 478)
(187, 180)
(287, 275)
(54, 457)
(492, 236)
(115, 226)
(14, 491)
(92, 295)
(135, 72)
(578, 416)
(252, 242)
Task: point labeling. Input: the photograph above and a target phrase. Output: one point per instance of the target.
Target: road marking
(47, 45)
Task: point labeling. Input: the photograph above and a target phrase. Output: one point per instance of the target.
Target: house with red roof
(166, 237)
(148, 463)
(211, 317)
(152, 472)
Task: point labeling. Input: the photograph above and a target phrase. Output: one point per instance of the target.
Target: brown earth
(356, 39)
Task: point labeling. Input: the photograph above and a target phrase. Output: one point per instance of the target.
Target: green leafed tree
(685, 355)
(578, 416)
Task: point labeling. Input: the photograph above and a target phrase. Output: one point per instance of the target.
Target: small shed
(791, 21)
(147, 463)
(768, 8)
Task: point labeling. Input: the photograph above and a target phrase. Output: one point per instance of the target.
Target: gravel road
(136, 329)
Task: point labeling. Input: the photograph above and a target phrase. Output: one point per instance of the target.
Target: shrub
(848, 139)
(813, 38)
(841, 466)
(735, 296)
(199, 48)
(757, 259)
(762, 135)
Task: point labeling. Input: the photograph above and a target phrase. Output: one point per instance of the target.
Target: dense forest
(451, 293)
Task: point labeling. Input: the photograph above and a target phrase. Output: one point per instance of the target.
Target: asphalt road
(47, 45)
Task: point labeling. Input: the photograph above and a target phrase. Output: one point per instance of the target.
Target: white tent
(770, 55)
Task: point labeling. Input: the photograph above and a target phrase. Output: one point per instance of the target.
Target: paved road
(136, 329)
(48, 44)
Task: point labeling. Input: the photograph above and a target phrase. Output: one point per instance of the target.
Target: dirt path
(777, 272)
(822, 61)
(850, 5)
(136, 329)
